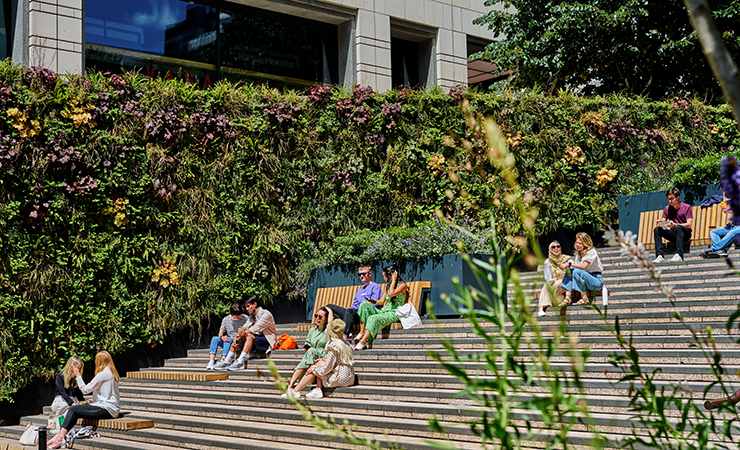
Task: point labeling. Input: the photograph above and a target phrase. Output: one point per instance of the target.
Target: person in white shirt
(105, 403)
(260, 333)
(584, 273)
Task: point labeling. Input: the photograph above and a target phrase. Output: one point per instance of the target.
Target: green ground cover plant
(131, 207)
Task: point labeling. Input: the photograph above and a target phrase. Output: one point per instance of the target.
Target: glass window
(404, 63)
(278, 46)
(4, 19)
(183, 39)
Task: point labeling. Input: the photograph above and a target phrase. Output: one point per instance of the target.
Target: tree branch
(723, 67)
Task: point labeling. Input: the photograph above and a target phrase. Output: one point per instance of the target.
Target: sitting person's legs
(74, 413)
(586, 282)
(723, 238)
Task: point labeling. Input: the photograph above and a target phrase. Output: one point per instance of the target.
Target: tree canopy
(603, 46)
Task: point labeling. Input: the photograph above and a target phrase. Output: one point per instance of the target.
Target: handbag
(409, 317)
(30, 436)
(54, 424)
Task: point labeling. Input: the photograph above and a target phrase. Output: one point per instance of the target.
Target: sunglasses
(363, 274)
(555, 246)
(319, 317)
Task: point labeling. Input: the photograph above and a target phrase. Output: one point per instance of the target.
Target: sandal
(566, 302)
(583, 301)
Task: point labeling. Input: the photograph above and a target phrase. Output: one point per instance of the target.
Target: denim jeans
(582, 281)
(217, 342)
(723, 237)
(677, 235)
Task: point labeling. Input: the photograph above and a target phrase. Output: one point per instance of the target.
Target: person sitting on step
(226, 334)
(66, 392)
(370, 291)
(336, 370)
(675, 225)
(584, 273)
(259, 334)
(722, 238)
(314, 348)
(374, 320)
(105, 404)
(553, 277)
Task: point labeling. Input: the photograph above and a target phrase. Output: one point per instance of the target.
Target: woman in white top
(105, 403)
(585, 270)
(553, 276)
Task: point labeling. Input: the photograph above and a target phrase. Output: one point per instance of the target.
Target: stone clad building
(378, 43)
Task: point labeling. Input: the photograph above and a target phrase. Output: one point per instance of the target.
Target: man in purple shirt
(368, 292)
(674, 226)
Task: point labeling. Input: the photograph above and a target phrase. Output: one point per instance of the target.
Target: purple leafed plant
(730, 181)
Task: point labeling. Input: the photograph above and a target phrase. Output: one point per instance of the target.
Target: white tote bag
(408, 317)
(30, 435)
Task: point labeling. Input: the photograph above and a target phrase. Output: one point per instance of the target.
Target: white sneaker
(210, 365)
(292, 393)
(541, 313)
(316, 393)
(676, 257)
(659, 259)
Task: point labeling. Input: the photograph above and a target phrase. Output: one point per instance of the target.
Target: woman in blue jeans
(584, 271)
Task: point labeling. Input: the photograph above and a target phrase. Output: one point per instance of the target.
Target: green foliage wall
(131, 207)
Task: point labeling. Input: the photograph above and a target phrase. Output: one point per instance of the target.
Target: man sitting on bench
(368, 291)
(674, 226)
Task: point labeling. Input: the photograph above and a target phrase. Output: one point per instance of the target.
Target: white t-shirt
(592, 258)
(105, 391)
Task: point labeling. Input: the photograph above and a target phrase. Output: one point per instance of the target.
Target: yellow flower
(604, 176)
(574, 155)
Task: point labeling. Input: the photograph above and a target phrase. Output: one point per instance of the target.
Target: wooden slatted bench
(178, 376)
(705, 220)
(344, 295)
(121, 423)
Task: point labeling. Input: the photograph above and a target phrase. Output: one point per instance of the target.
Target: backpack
(285, 342)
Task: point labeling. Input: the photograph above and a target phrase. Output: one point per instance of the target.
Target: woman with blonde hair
(553, 277)
(336, 370)
(105, 403)
(584, 273)
(66, 392)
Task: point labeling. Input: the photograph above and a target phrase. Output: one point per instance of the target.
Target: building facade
(379, 43)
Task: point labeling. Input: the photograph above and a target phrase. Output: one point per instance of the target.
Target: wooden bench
(705, 220)
(344, 295)
(178, 376)
(121, 423)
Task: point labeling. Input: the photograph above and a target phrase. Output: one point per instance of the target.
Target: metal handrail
(713, 404)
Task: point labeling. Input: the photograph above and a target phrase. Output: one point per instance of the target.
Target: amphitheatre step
(180, 376)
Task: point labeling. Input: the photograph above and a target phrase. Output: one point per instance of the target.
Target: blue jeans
(723, 237)
(582, 281)
(217, 342)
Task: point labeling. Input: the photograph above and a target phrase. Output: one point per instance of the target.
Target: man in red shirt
(675, 225)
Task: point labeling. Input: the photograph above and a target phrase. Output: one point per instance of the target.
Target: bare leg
(319, 383)
(296, 376)
(365, 337)
(305, 381)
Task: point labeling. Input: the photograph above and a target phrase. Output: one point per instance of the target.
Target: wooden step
(179, 376)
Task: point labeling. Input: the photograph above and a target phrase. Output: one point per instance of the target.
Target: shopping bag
(409, 317)
(30, 436)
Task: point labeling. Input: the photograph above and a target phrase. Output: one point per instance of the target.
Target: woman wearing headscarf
(336, 370)
(553, 277)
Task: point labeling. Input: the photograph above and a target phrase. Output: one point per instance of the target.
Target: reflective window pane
(279, 46)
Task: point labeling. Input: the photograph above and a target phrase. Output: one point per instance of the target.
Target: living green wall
(132, 207)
